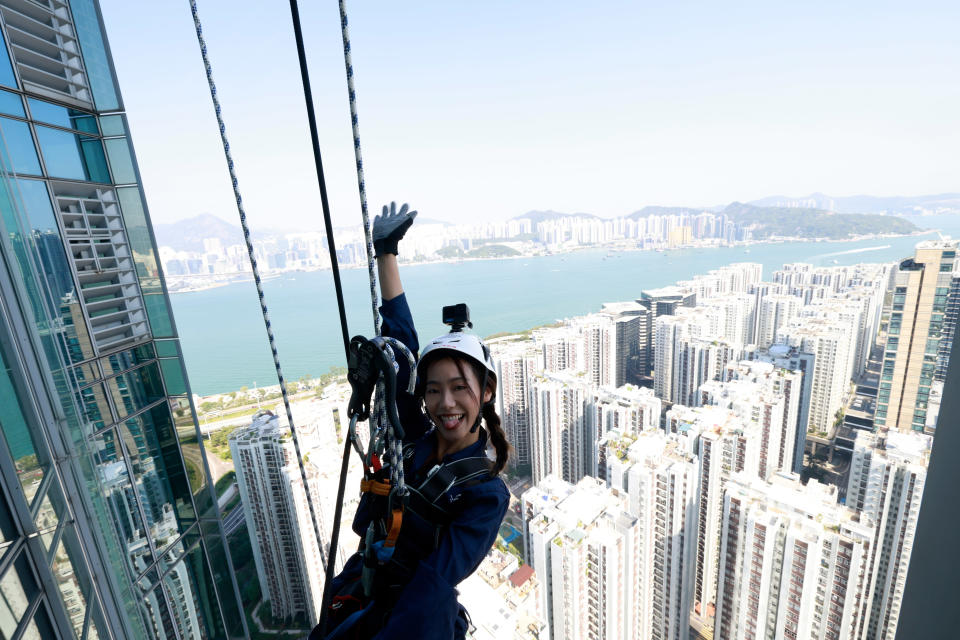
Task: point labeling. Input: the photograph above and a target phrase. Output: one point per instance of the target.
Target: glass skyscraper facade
(108, 520)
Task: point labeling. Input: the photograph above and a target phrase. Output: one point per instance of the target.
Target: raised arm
(389, 273)
(388, 229)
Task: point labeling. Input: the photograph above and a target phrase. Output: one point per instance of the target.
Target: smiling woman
(456, 499)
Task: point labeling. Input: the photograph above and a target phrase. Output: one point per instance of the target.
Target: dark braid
(497, 437)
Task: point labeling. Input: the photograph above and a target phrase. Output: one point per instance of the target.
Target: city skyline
(659, 105)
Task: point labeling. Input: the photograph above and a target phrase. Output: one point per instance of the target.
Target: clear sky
(485, 110)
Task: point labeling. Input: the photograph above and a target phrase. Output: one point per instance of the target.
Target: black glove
(389, 227)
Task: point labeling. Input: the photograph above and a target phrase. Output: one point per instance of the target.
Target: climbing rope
(361, 184)
(256, 275)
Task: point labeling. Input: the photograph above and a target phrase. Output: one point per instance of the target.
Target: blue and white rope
(256, 273)
(361, 184)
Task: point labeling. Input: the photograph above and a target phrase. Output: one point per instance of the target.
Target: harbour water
(225, 345)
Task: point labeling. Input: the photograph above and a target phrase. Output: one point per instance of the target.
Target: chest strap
(424, 499)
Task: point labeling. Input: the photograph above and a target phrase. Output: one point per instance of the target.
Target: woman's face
(451, 395)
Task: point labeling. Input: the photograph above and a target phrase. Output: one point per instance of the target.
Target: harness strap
(377, 487)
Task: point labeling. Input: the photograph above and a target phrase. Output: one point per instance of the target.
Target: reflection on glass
(72, 579)
(62, 116)
(127, 359)
(155, 610)
(19, 152)
(40, 627)
(136, 389)
(156, 496)
(48, 514)
(70, 155)
(85, 373)
(138, 235)
(112, 126)
(159, 423)
(11, 103)
(94, 407)
(20, 440)
(120, 496)
(17, 588)
(181, 588)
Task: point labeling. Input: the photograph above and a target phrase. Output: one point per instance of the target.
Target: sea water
(225, 344)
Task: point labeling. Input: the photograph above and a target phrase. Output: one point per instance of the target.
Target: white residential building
(285, 547)
(517, 364)
(794, 563)
(559, 438)
(888, 472)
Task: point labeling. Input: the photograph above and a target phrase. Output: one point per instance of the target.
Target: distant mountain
(814, 223)
(539, 216)
(189, 234)
(896, 205)
(663, 211)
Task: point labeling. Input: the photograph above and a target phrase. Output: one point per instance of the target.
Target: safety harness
(390, 553)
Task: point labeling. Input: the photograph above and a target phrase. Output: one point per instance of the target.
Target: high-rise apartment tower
(109, 521)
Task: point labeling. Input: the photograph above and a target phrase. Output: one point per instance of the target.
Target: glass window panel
(159, 315)
(85, 373)
(118, 150)
(20, 153)
(17, 588)
(158, 613)
(158, 425)
(11, 103)
(149, 579)
(8, 532)
(49, 513)
(73, 581)
(96, 625)
(173, 376)
(69, 155)
(123, 360)
(40, 627)
(99, 71)
(120, 497)
(52, 259)
(6, 70)
(112, 126)
(190, 588)
(66, 117)
(222, 576)
(138, 236)
(94, 407)
(20, 439)
(167, 348)
(136, 389)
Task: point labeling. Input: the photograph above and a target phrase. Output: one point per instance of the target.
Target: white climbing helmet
(466, 344)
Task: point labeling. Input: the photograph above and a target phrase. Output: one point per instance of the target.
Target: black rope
(314, 139)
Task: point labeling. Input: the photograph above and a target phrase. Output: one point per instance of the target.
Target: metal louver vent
(97, 243)
(45, 49)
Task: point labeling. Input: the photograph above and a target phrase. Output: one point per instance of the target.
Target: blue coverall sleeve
(398, 324)
(427, 608)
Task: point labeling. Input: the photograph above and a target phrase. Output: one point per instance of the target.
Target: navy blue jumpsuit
(427, 607)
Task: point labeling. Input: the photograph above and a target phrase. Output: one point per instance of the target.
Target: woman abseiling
(457, 499)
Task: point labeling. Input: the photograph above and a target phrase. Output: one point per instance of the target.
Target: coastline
(213, 281)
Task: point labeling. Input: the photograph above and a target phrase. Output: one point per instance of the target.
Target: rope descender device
(372, 366)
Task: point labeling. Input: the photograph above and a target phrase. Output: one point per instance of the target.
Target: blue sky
(486, 110)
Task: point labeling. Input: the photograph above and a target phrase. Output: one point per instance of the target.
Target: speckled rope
(256, 273)
(361, 184)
